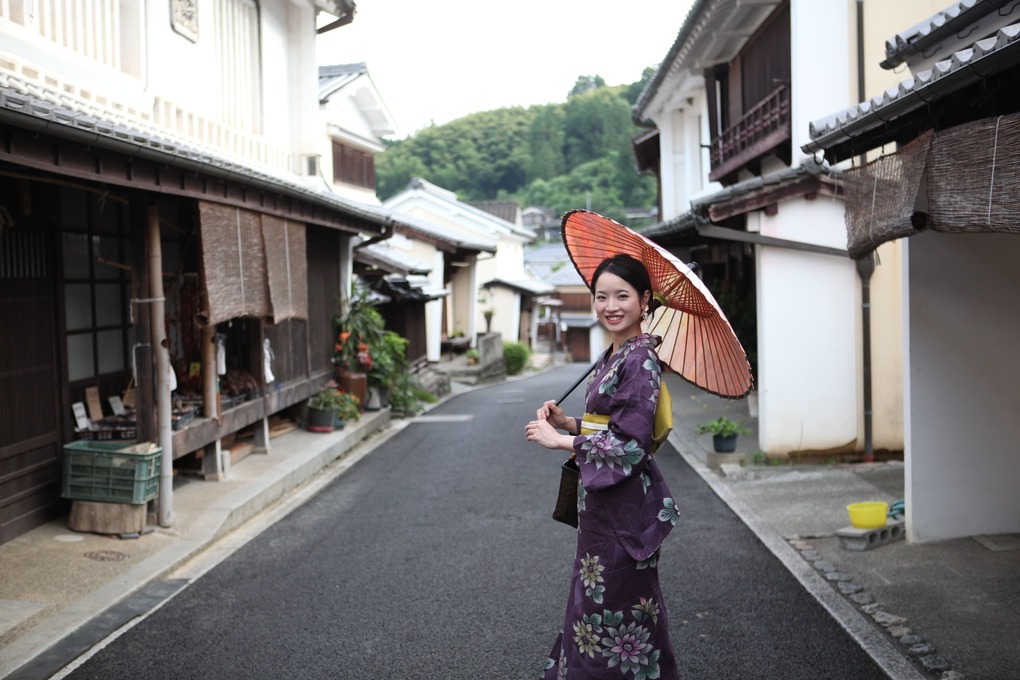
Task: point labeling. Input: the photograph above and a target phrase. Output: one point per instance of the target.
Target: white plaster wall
(807, 333)
(434, 308)
(821, 36)
(685, 164)
(962, 472)
(507, 317)
(886, 351)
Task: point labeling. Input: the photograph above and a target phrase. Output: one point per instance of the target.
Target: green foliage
(389, 359)
(586, 84)
(407, 396)
(332, 398)
(722, 426)
(575, 154)
(516, 355)
(359, 327)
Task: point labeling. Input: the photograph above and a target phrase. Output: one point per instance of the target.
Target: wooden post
(211, 468)
(164, 425)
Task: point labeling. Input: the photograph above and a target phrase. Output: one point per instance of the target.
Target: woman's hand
(553, 414)
(542, 433)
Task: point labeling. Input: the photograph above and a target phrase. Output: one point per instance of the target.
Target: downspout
(165, 504)
(865, 268)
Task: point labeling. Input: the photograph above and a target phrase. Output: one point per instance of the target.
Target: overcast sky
(437, 61)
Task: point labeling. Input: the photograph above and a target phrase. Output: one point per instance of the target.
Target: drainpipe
(865, 268)
(860, 62)
(165, 504)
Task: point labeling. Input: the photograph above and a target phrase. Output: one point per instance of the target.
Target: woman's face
(618, 307)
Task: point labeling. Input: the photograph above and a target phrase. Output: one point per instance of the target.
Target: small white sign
(80, 416)
(117, 405)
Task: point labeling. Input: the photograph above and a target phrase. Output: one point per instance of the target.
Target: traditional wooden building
(160, 239)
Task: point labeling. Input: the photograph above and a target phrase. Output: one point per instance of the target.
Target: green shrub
(516, 355)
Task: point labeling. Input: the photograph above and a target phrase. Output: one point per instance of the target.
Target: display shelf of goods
(113, 428)
(111, 472)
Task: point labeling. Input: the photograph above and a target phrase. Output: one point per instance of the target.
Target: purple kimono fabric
(616, 624)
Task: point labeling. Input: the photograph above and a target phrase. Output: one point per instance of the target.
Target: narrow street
(436, 557)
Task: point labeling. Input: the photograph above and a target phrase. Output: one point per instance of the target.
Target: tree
(586, 84)
(561, 156)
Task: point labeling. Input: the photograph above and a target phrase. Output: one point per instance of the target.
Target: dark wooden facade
(75, 313)
(749, 101)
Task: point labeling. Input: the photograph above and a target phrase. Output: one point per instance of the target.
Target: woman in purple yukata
(615, 624)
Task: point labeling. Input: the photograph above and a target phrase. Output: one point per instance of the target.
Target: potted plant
(472, 356)
(406, 396)
(329, 405)
(389, 359)
(724, 433)
(359, 326)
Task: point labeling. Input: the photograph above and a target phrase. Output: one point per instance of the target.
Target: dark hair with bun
(630, 270)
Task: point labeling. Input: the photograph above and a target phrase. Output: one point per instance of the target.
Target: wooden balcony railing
(761, 130)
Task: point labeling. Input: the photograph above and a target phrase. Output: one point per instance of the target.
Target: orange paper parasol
(697, 340)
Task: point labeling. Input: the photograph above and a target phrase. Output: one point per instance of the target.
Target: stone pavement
(943, 610)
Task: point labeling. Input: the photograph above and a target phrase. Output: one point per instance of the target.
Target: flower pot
(724, 443)
(354, 382)
(374, 402)
(319, 420)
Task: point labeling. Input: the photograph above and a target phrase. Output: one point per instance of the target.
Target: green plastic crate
(106, 472)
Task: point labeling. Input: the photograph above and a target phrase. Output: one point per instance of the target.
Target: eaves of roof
(928, 34)
(653, 85)
(389, 260)
(713, 32)
(521, 286)
(696, 225)
(333, 77)
(436, 232)
(810, 177)
(985, 58)
(25, 111)
(449, 198)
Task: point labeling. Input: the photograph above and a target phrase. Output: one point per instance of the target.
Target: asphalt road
(436, 557)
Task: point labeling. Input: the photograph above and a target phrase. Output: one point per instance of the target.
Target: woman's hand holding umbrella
(543, 430)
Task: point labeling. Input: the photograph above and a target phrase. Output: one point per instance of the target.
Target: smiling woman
(615, 623)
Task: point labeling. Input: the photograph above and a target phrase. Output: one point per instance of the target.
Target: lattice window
(237, 42)
(353, 166)
(94, 249)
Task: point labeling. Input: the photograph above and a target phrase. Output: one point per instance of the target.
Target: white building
(730, 103)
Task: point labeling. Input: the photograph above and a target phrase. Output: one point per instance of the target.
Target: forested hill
(559, 156)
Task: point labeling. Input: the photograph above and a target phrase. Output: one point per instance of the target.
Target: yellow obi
(593, 422)
(663, 425)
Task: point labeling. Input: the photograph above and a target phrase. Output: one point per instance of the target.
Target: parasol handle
(577, 382)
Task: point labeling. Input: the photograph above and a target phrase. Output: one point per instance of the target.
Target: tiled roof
(926, 35)
(984, 58)
(447, 196)
(31, 107)
(443, 233)
(528, 286)
(551, 263)
(332, 78)
(712, 33)
(504, 210)
(809, 166)
(388, 259)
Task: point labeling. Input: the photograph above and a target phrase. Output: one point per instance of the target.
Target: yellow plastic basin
(868, 515)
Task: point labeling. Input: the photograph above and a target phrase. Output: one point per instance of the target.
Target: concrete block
(852, 538)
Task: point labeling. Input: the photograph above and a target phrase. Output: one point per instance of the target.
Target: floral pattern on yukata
(616, 625)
